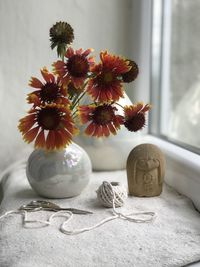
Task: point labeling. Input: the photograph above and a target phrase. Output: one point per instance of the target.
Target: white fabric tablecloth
(173, 239)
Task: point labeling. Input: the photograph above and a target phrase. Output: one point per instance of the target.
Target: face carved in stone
(147, 164)
(145, 171)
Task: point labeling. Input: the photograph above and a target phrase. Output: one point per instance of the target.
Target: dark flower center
(132, 74)
(49, 92)
(48, 118)
(106, 78)
(135, 123)
(103, 114)
(78, 66)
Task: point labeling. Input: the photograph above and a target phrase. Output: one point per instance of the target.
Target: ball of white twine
(109, 191)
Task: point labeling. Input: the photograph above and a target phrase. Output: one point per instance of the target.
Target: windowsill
(182, 168)
(160, 239)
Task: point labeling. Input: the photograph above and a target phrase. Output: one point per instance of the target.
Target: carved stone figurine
(145, 171)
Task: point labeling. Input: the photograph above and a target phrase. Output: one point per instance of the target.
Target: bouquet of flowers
(56, 108)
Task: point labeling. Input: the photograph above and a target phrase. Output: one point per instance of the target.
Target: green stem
(81, 96)
(78, 99)
(74, 100)
(74, 113)
(75, 116)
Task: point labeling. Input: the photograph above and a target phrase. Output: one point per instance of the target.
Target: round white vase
(59, 174)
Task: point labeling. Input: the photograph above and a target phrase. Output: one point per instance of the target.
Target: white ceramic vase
(59, 174)
(109, 153)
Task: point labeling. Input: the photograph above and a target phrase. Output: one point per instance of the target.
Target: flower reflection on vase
(57, 111)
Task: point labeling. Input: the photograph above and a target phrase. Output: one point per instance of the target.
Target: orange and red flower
(106, 85)
(56, 98)
(102, 119)
(76, 67)
(132, 74)
(135, 116)
(51, 91)
(51, 126)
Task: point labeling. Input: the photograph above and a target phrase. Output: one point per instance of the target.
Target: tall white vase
(109, 153)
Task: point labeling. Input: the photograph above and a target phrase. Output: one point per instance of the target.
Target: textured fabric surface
(173, 239)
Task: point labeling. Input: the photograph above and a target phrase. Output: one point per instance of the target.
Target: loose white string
(129, 217)
(12, 212)
(132, 217)
(25, 217)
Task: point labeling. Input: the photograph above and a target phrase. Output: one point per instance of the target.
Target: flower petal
(59, 68)
(112, 129)
(78, 82)
(47, 76)
(34, 82)
(70, 52)
(146, 108)
(98, 131)
(31, 134)
(87, 52)
(50, 142)
(90, 129)
(105, 130)
(40, 140)
(33, 98)
(59, 140)
(66, 136)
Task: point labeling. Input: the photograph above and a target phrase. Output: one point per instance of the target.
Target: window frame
(182, 164)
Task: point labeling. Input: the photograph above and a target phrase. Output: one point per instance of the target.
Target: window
(176, 72)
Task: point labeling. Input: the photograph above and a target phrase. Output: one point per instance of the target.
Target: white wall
(25, 48)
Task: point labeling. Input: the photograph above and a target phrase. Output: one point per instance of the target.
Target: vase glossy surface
(59, 174)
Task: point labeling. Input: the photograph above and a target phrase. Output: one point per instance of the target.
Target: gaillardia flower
(50, 91)
(76, 67)
(135, 116)
(102, 119)
(61, 35)
(51, 126)
(106, 85)
(132, 74)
